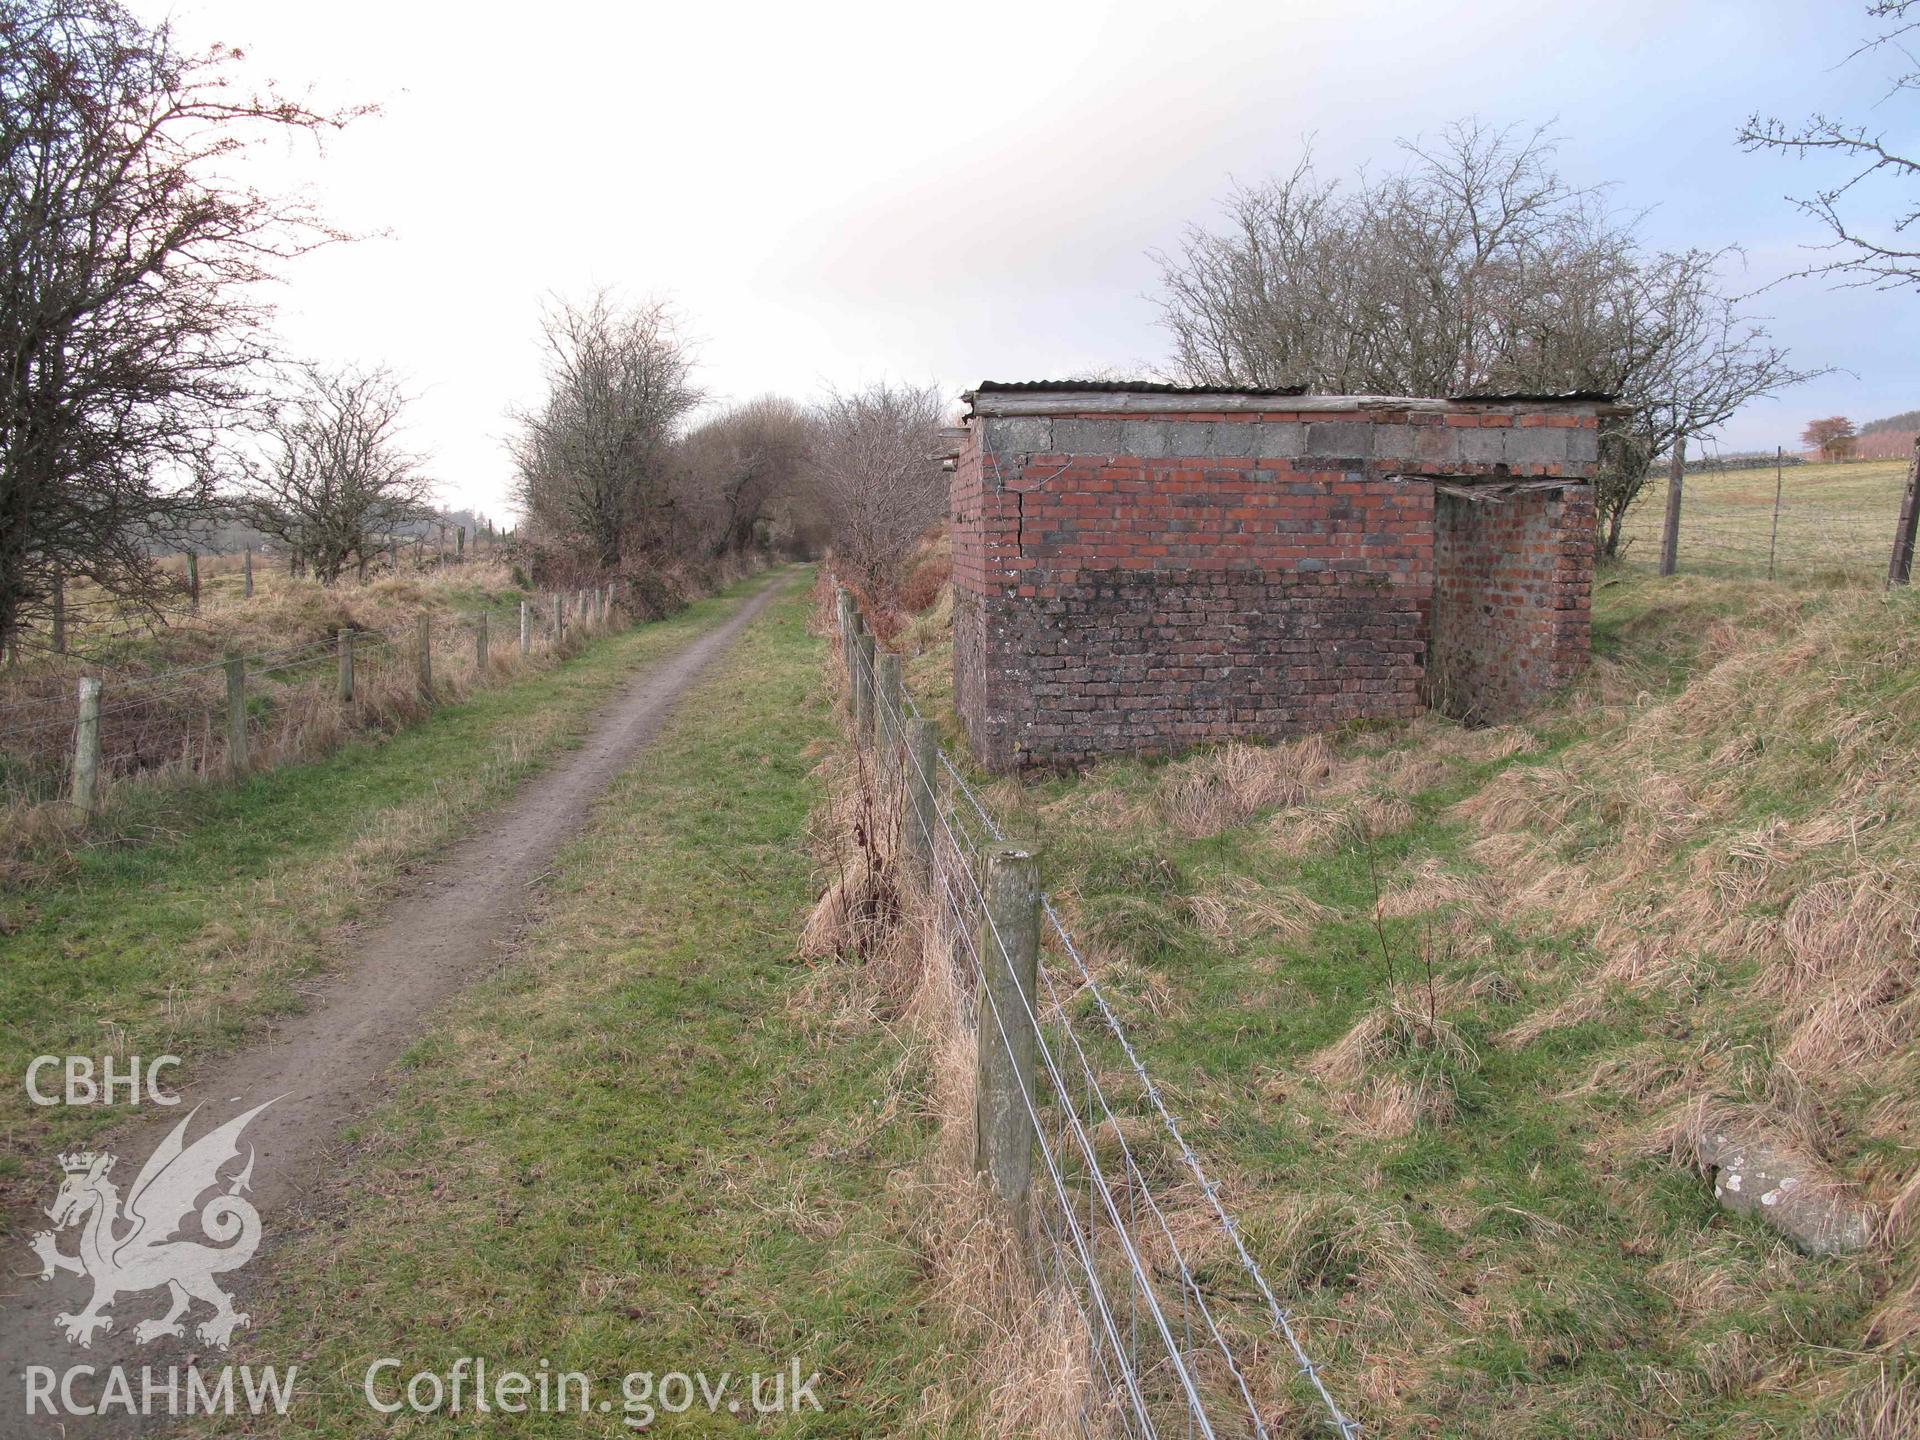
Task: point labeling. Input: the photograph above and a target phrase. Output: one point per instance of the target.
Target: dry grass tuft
(1341, 1243)
(1350, 824)
(1878, 1399)
(1220, 789)
(1431, 887)
(1243, 909)
(855, 838)
(1388, 1107)
(1405, 1025)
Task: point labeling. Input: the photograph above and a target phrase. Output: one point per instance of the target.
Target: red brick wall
(1140, 584)
(1512, 600)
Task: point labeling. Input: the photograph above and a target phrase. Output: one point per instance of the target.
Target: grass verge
(1455, 1006)
(639, 1150)
(214, 902)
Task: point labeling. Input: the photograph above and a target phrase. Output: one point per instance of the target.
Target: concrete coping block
(1339, 439)
(1025, 435)
(1087, 437)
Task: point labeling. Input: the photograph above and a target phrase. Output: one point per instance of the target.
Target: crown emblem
(81, 1161)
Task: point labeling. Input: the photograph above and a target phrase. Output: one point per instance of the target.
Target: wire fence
(1180, 1326)
(184, 720)
(174, 604)
(1813, 523)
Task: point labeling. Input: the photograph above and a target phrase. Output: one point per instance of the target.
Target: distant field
(1836, 522)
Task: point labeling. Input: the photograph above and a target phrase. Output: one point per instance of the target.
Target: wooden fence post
(86, 747)
(1900, 566)
(919, 819)
(246, 571)
(526, 627)
(1773, 538)
(863, 687)
(236, 714)
(460, 547)
(888, 715)
(59, 613)
(193, 580)
(480, 645)
(425, 657)
(843, 603)
(1670, 536)
(345, 641)
(1009, 949)
(559, 616)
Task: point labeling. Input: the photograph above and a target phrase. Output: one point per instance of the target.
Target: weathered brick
(1139, 585)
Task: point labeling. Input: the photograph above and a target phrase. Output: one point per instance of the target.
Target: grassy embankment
(647, 1147)
(198, 910)
(1685, 895)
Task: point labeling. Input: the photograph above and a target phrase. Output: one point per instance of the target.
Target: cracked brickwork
(1139, 583)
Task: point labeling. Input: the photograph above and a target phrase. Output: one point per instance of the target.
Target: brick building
(1141, 568)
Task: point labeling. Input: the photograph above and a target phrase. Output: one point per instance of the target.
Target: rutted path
(328, 1060)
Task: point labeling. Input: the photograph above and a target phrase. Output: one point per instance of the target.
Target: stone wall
(1142, 582)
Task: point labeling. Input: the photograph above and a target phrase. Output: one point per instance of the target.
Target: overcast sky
(835, 192)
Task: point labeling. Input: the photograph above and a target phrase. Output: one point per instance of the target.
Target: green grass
(1836, 522)
(195, 915)
(636, 1150)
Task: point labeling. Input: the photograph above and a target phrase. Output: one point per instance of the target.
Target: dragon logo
(135, 1247)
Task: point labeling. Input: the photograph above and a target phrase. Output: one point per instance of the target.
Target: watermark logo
(75, 1080)
(131, 1246)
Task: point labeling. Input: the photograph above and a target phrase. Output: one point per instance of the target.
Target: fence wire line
(1137, 1175)
(891, 721)
(1061, 1091)
(27, 724)
(1190, 1286)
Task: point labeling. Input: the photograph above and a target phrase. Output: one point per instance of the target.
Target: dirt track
(328, 1061)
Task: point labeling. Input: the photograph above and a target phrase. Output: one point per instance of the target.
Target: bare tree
(1667, 340)
(1403, 283)
(1868, 253)
(1473, 268)
(733, 469)
(130, 320)
(595, 460)
(877, 474)
(336, 481)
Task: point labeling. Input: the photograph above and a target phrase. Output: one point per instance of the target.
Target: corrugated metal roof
(1159, 387)
(1122, 387)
